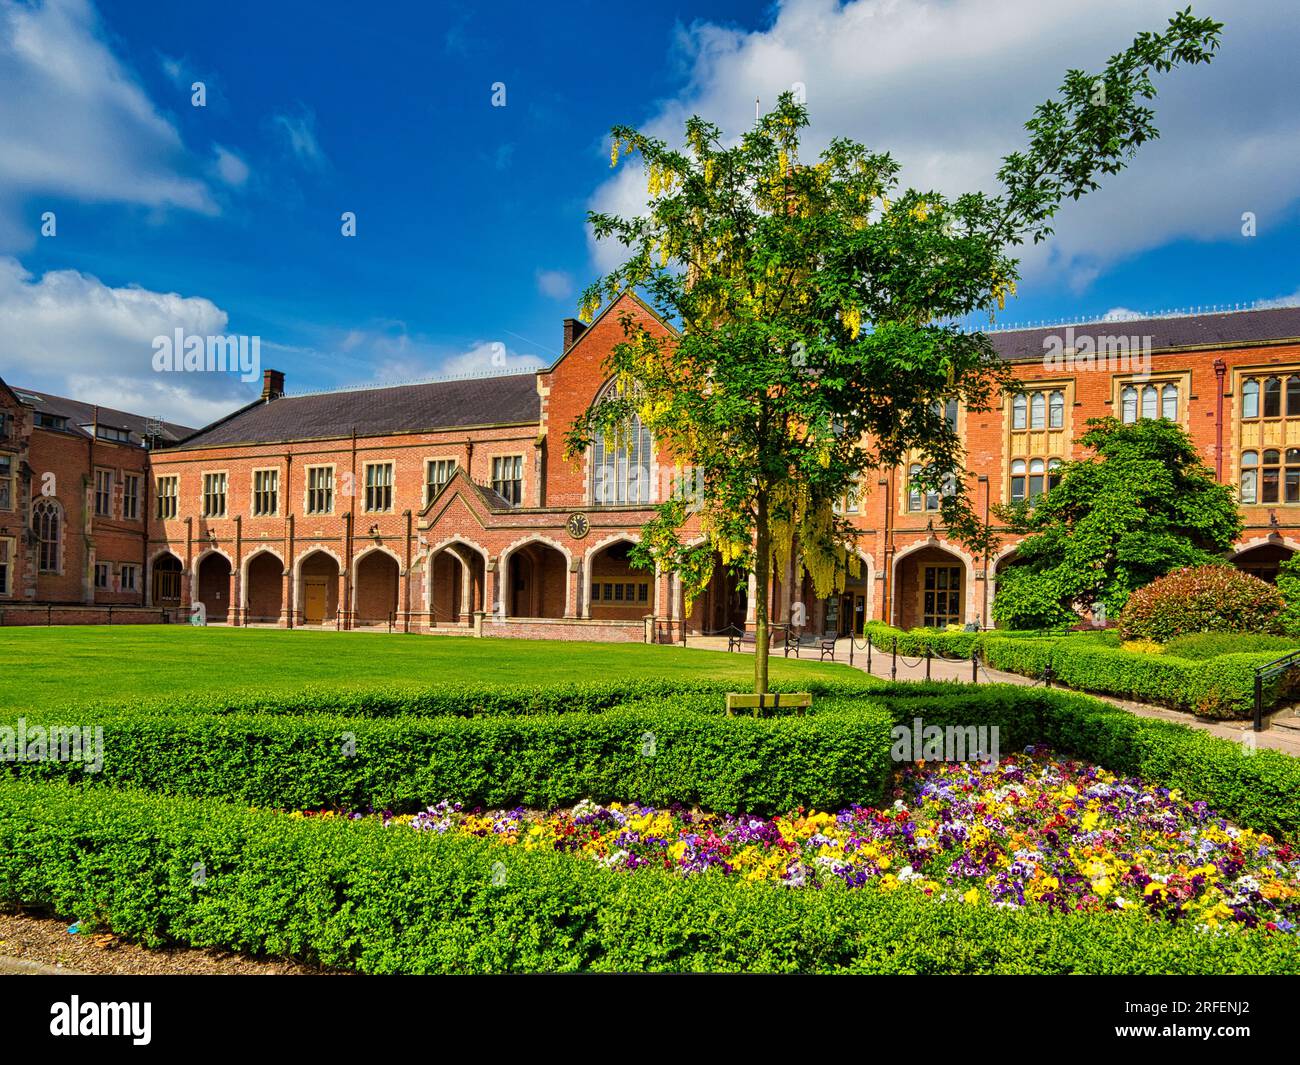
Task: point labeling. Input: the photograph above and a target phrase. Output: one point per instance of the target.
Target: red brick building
(450, 507)
(75, 492)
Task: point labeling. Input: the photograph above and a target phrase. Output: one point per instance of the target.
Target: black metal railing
(1269, 671)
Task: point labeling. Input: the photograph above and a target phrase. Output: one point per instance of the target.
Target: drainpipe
(984, 614)
(1220, 370)
(888, 604)
(406, 625)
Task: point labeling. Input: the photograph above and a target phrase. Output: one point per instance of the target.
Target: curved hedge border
(386, 901)
(458, 700)
(1219, 687)
(657, 755)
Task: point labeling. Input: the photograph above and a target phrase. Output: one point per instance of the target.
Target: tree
(818, 308)
(1142, 505)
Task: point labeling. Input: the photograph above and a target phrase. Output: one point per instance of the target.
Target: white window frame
(9, 481)
(107, 494)
(429, 461)
(307, 488)
(133, 569)
(253, 492)
(132, 497)
(8, 560)
(167, 503)
(512, 456)
(367, 487)
(203, 493)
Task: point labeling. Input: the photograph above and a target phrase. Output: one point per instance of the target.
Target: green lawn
(62, 665)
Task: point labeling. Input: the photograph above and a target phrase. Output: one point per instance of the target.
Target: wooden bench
(737, 640)
(800, 701)
(797, 641)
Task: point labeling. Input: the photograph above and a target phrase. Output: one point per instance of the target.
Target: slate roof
(81, 414)
(1229, 328)
(507, 399)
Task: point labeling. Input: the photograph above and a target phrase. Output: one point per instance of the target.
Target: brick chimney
(572, 330)
(272, 384)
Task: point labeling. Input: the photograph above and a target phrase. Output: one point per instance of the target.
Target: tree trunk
(762, 580)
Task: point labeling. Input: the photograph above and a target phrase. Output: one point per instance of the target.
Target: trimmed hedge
(396, 901)
(754, 765)
(834, 757)
(1219, 687)
(460, 700)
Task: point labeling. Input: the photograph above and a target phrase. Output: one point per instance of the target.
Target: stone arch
(907, 609)
(541, 582)
(376, 585)
(316, 573)
(598, 563)
(172, 583)
(467, 592)
(213, 582)
(1262, 555)
(261, 585)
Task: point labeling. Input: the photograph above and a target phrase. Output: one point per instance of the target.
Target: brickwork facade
(452, 508)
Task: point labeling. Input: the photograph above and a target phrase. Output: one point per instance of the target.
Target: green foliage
(1212, 644)
(393, 900)
(1031, 602)
(1142, 505)
(1222, 686)
(1288, 584)
(1216, 598)
(774, 395)
(659, 754)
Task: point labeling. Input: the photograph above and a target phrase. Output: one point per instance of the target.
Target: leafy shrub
(468, 700)
(657, 754)
(1201, 599)
(395, 901)
(1288, 586)
(1030, 600)
(1203, 645)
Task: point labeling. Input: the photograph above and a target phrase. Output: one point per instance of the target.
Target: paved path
(1285, 738)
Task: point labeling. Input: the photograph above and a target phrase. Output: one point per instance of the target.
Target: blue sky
(471, 237)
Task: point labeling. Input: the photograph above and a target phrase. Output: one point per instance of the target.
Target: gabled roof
(1225, 329)
(80, 415)
(506, 399)
(626, 294)
(488, 497)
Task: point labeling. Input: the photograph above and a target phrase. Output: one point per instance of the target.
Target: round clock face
(578, 526)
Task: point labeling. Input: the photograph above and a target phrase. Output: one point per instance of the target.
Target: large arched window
(1019, 412)
(622, 461)
(1128, 399)
(47, 523)
(1169, 402)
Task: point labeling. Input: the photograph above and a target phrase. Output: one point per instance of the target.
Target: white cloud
(299, 133)
(70, 334)
(74, 122)
(230, 167)
(1292, 300)
(556, 284)
(390, 354)
(946, 88)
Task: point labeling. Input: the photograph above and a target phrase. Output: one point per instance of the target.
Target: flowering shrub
(1201, 599)
(1035, 832)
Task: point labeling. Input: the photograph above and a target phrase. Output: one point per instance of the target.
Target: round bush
(1201, 599)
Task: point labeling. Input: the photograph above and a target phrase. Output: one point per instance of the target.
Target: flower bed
(1036, 831)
